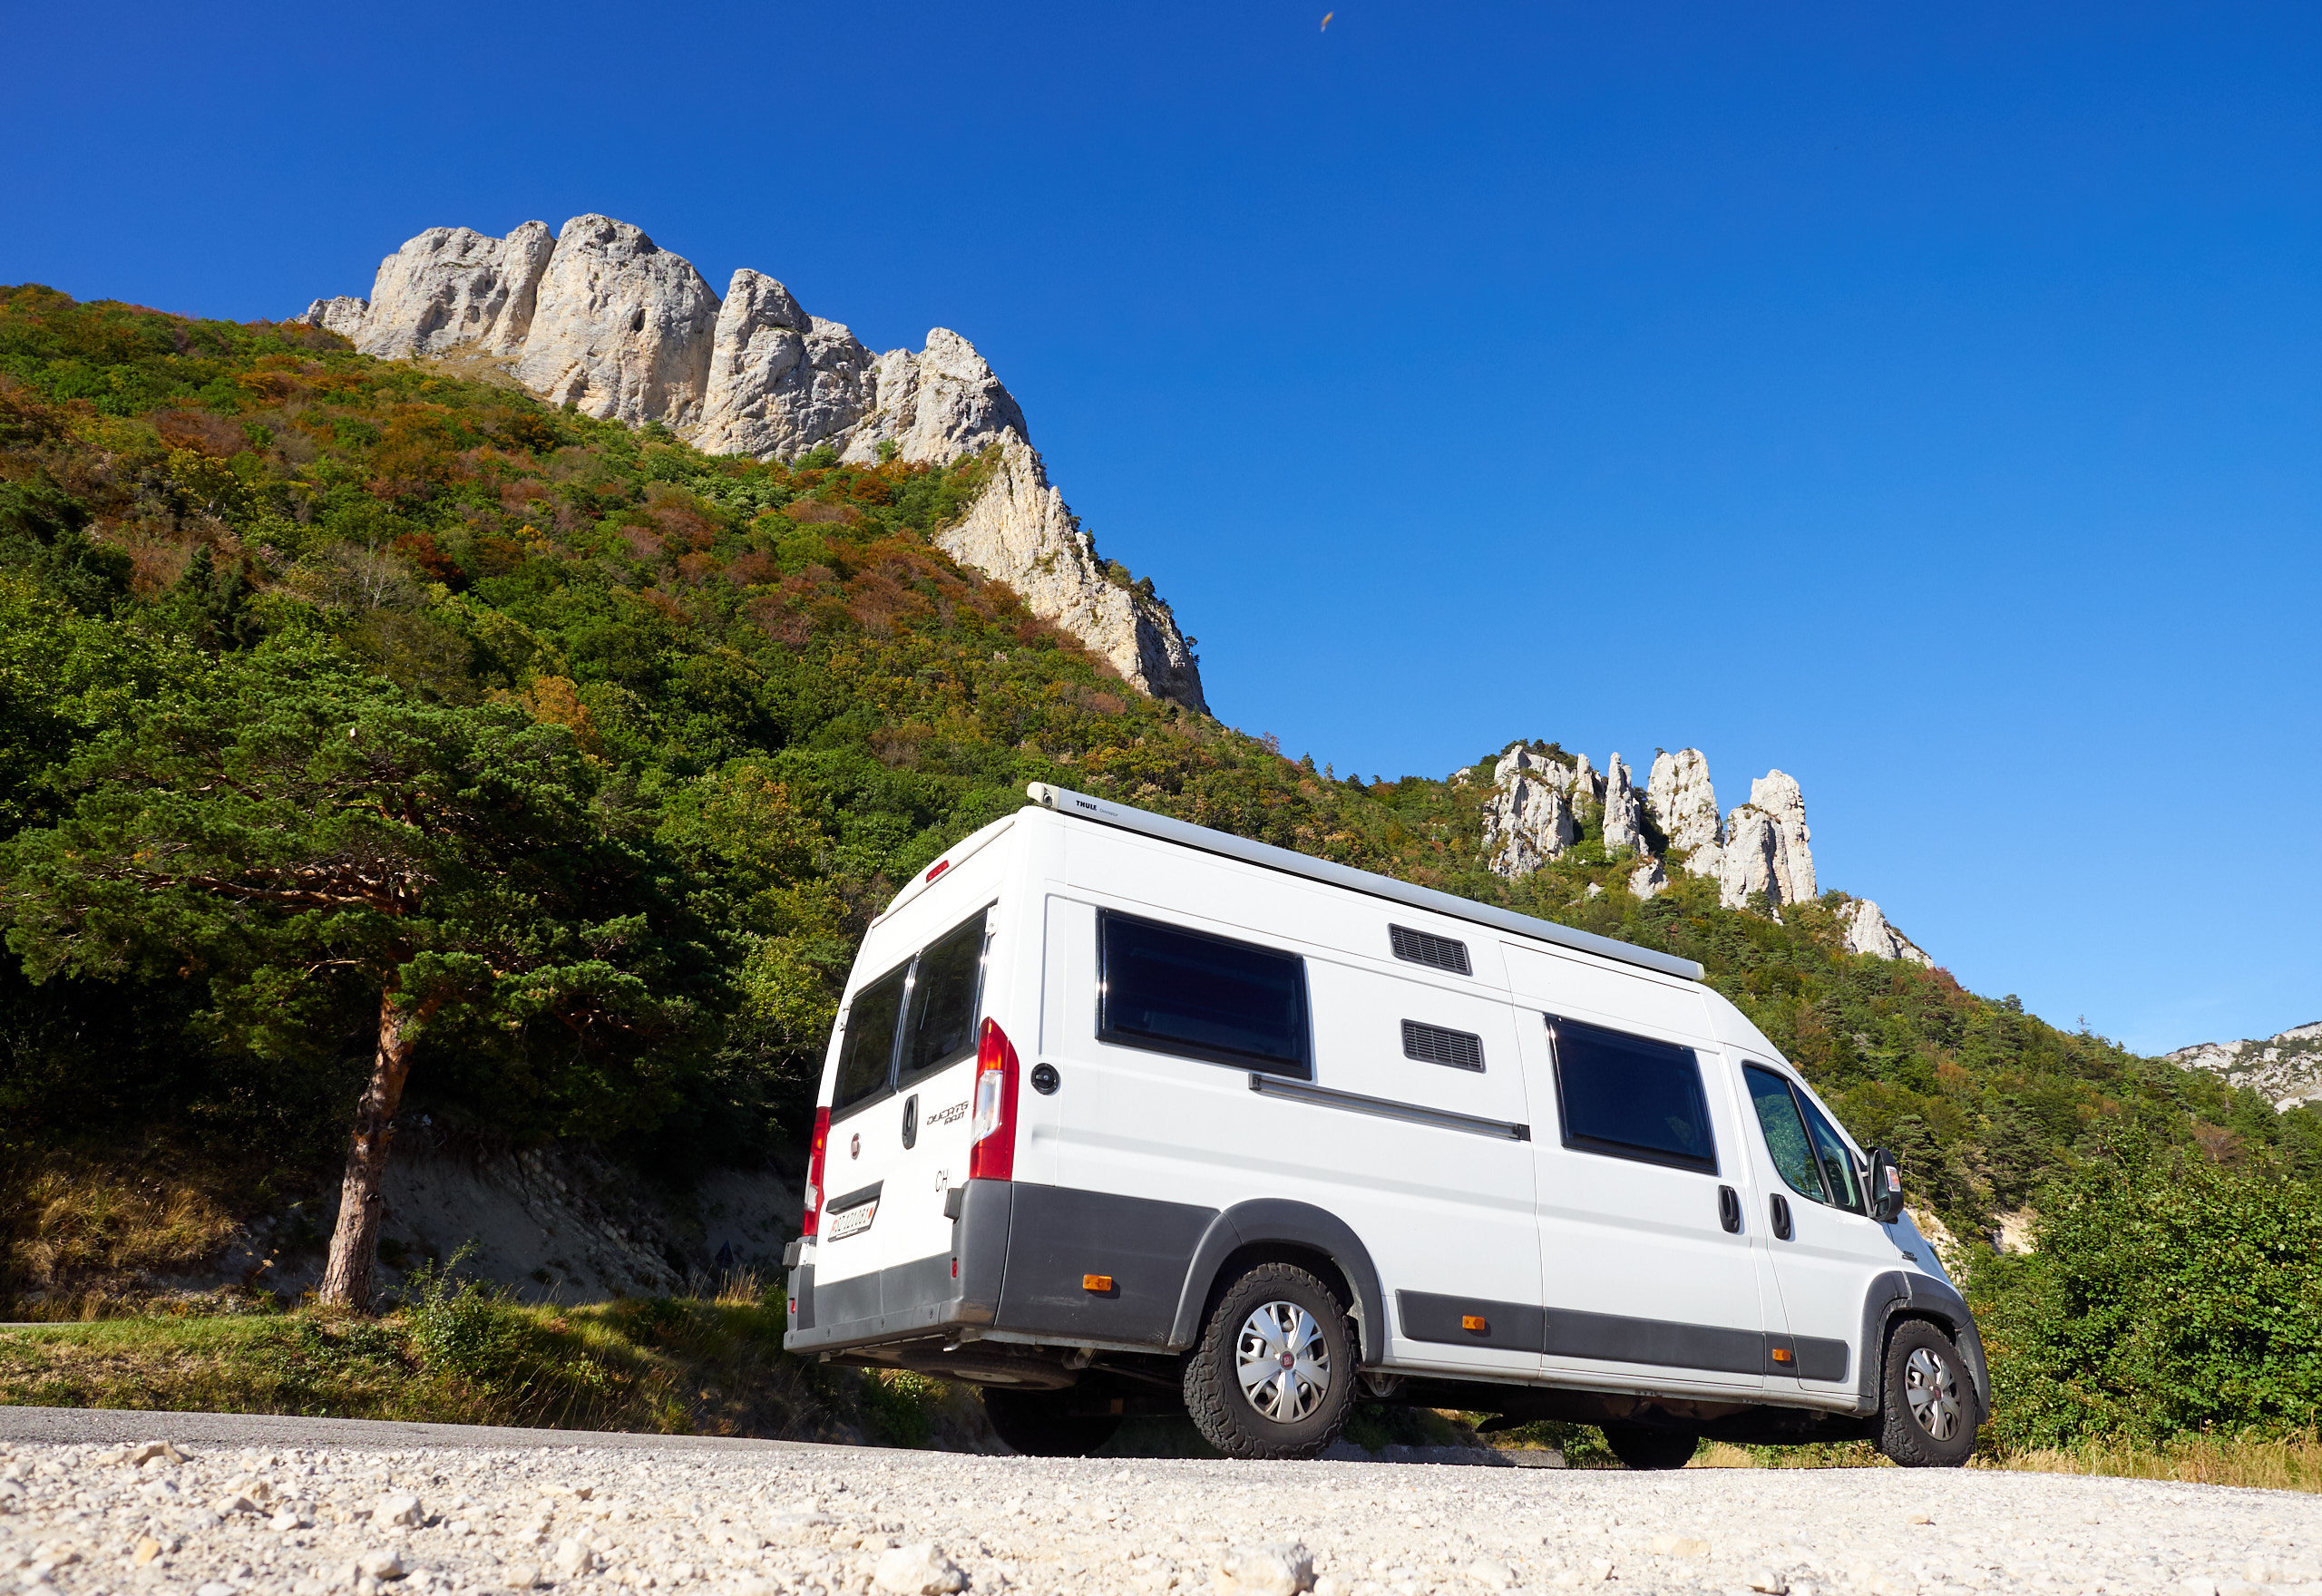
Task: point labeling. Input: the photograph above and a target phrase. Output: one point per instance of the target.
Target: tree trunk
(353, 1245)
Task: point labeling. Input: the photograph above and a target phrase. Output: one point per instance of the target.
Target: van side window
(870, 1047)
(1630, 1097)
(1171, 990)
(1807, 1149)
(1837, 1164)
(944, 990)
(1785, 1139)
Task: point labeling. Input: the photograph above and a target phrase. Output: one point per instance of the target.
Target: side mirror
(1886, 1187)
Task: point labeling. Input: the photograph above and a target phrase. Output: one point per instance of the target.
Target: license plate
(852, 1221)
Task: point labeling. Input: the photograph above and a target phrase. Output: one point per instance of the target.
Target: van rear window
(1632, 1097)
(870, 1045)
(941, 1028)
(1171, 990)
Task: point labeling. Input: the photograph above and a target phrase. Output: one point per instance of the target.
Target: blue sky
(1924, 400)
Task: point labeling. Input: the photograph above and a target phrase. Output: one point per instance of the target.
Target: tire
(1928, 1399)
(1277, 1310)
(1041, 1424)
(1641, 1449)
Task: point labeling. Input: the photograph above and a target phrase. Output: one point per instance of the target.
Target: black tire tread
(1035, 1424)
(1899, 1435)
(1209, 1395)
(1640, 1447)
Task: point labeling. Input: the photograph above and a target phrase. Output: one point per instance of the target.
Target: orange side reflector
(1781, 1355)
(1095, 1282)
(1476, 1322)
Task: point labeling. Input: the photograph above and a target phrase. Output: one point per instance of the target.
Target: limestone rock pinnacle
(1866, 930)
(1527, 818)
(1623, 819)
(1020, 531)
(1685, 807)
(622, 329)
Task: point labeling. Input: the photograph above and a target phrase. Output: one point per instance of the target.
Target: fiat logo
(854, 1148)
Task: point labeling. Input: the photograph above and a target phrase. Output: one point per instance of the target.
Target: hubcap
(1934, 1391)
(1283, 1362)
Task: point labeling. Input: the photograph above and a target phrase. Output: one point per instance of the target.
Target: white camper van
(1124, 1115)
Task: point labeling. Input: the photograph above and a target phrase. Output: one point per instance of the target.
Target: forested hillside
(334, 689)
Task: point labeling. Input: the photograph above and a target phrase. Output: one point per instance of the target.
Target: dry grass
(78, 1238)
(2291, 1463)
(689, 1365)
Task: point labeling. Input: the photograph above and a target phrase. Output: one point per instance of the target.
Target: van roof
(1064, 800)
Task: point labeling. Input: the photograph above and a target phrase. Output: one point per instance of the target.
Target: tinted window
(1836, 1161)
(1179, 991)
(1786, 1137)
(1630, 1097)
(870, 1044)
(941, 1028)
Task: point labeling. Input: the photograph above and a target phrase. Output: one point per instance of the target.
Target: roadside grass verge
(462, 1353)
(2264, 1462)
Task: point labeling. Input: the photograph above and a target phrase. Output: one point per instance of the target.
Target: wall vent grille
(1426, 948)
(1437, 1045)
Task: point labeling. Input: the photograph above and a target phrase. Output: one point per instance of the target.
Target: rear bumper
(1020, 1260)
(955, 1290)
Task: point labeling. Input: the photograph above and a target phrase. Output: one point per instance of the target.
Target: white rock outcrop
(2285, 1068)
(1527, 818)
(1684, 805)
(343, 314)
(622, 330)
(937, 404)
(1623, 816)
(1864, 929)
(1540, 800)
(1019, 532)
(1765, 847)
(599, 316)
(781, 382)
(452, 287)
(1778, 795)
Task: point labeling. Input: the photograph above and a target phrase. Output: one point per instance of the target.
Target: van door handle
(1782, 1217)
(910, 1119)
(1729, 1210)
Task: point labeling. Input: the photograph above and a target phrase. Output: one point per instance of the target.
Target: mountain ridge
(597, 319)
(2285, 1067)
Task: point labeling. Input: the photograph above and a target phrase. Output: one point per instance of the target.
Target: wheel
(1928, 1407)
(1273, 1374)
(1638, 1447)
(1041, 1424)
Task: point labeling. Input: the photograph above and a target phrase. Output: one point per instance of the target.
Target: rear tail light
(992, 1152)
(813, 1194)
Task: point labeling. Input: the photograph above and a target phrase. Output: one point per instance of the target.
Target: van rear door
(899, 1121)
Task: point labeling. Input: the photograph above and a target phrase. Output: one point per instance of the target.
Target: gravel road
(215, 1505)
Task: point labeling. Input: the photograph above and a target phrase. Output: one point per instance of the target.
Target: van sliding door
(1638, 1159)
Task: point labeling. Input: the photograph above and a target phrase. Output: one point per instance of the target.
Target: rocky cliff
(2286, 1069)
(1542, 799)
(599, 317)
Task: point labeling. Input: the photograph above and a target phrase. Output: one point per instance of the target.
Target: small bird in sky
(1326, 20)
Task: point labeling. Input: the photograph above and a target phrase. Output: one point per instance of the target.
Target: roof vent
(1426, 948)
(1436, 1045)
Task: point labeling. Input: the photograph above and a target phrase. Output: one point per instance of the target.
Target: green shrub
(2168, 1295)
